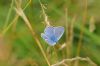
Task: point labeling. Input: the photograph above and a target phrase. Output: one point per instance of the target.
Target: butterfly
(52, 34)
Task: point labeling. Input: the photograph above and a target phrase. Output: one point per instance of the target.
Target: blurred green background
(19, 48)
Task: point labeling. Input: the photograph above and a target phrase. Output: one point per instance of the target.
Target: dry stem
(87, 59)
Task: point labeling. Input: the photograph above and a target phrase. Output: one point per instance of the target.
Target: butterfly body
(53, 38)
(52, 34)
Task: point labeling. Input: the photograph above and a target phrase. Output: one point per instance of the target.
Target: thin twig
(87, 59)
(8, 15)
(6, 29)
(27, 4)
(14, 20)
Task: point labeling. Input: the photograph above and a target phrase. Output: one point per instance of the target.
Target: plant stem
(20, 12)
(81, 32)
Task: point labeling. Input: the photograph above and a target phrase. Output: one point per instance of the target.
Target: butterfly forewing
(49, 31)
(58, 32)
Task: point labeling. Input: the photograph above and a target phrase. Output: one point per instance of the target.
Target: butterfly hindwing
(48, 40)
(44, 36)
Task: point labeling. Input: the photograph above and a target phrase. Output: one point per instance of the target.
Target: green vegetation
(23, 21)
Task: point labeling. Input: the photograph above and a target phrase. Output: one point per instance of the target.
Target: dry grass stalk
(87, 59)
(44, 14)
(70, 37)
(8, 15)
(14, 21)
(20, 12)
(81, 31)
(92, 24)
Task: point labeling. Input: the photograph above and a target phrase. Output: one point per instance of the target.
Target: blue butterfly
(52, 34)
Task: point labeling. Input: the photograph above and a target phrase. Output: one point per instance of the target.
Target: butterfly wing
(52, 34)
(49, 31)
(58, 32)
(47, 39)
